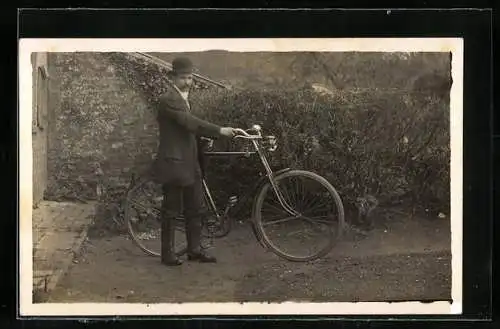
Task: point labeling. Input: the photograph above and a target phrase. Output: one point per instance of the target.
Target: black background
(473, 25)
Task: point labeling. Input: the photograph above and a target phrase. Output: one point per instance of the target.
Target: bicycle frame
(251, 192)
(270, 174)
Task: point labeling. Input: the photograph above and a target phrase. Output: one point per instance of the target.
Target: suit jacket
(178, 159)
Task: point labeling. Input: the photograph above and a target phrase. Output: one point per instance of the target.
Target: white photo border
(29, 45)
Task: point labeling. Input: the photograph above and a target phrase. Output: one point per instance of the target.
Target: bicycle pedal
(206, 247)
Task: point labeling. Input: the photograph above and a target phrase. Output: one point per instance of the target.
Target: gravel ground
(376, 278)
(406, 260)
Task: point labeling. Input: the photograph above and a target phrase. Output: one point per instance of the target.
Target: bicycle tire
(263, 238)
(129, 222)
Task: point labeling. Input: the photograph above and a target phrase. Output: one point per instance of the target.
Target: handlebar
(269, 142)
(241, 133)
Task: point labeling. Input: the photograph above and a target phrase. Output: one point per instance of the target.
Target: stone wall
(103, 128)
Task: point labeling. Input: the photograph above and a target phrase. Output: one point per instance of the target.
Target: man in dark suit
(177, 167)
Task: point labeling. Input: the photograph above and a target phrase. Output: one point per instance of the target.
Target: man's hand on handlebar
(228, 131)
(236, 132)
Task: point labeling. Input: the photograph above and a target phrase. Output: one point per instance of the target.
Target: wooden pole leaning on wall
(168, 66)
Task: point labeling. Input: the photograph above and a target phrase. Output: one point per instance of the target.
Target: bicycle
(269, 191)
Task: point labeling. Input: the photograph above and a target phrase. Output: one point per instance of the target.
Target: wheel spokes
(311, 223)
(278, 221)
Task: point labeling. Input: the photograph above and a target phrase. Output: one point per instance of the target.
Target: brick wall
(40, 125)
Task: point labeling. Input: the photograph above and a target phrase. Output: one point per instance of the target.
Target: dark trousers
(186, 200)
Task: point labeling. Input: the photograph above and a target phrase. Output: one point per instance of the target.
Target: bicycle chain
(211, 227)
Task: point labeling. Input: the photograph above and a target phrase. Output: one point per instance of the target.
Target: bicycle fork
(277, 191)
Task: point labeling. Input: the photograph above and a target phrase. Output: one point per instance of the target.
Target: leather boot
(168, 256)
(193, 235)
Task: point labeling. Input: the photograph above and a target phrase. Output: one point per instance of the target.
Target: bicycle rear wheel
(142, 215)
(316, 208)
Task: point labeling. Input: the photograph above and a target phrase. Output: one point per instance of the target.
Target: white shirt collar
(184, 95)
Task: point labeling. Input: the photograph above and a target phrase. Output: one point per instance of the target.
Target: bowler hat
(182, 65)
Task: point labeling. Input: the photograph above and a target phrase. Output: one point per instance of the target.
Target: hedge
(386, 145)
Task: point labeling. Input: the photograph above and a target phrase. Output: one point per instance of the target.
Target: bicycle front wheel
(142, 216)
(307, 225)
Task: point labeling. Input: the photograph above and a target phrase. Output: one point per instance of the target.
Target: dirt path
(408, 261)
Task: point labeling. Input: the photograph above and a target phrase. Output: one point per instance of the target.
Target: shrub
(388, 145)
